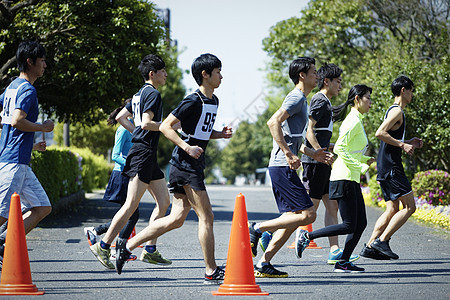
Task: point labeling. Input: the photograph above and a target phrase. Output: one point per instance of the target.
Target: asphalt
(63, 266)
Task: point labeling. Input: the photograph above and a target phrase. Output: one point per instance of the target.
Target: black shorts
(316, 178)
(395, 185)
(345, 189)
(142, 161)
(288, 189)
(179, 178)
(116, 190)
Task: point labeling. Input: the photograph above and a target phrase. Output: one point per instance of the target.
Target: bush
(375, 190)
(58, 171)
(433, 185)
(94, 169)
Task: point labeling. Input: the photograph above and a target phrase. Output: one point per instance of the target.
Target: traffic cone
(16, 274)
(312, 244)
(133, 233)
(239, 273)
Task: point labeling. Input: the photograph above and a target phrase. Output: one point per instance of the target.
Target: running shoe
(113, 256)
(336, 255)
(373, 253)
(216, 277)
(91, 235)
(102, 255)
(254, 237)
(122, 254)
(347, 267)
(154, 258)
(301, 242)
(265, 239)
(269, 271)
(384, 248)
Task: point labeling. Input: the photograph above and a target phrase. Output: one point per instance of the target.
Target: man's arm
(20, 122)
(122, 118)
(226, 133)
(310, 136)
(148, 123)
(394, 116)
(274, 124)
(168, 128)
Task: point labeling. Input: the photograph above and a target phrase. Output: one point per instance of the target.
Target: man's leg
(400, 218)
(392, 207)
(136, 189)
(178, 213)
(34, 216)
(159, 192)
(290, 220)
(201, 204)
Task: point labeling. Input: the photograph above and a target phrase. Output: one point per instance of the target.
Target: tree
(374, 41)
(93, 49)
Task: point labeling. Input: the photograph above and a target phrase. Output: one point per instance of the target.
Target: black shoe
(347, 267)
(254, 238)
(373, 253)
(269, 271)
(216, 277)
(122, 254)
(384, 248)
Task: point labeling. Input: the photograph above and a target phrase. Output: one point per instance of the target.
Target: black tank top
(390, 157)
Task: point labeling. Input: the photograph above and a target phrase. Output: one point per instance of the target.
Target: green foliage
(58, 172)
(93, 50)
(98, 138)
(433, 185)
(94, 169)
(375, 190)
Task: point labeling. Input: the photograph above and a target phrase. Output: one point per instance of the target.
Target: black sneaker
(384, 248)
(269, 271)
(122, 254)
(216, 277)
(347, 267)
(254, 238)
(301, 242)
(373, 253)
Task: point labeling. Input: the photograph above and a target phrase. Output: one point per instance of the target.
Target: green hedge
(65, 171)
(95, 169)
(58, 171)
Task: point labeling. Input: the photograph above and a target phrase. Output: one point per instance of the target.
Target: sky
(233, 30)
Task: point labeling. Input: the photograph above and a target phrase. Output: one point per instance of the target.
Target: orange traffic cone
(133, 233)
(239, 273)
(16, 274)
(312, 244)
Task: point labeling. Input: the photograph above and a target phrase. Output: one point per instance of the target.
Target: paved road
(63, 266)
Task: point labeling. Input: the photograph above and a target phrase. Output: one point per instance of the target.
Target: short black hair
(400, 82)
(329, 71)
(301, 64)
(28, 49)
(207, 62)
(151, 62)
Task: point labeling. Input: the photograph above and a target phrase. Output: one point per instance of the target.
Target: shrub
(58, 172)
(433, 185)
(375, 190)
(95, 169)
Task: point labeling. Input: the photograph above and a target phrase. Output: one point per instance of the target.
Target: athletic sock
(261, 264)
(150, 248)
(104, 245)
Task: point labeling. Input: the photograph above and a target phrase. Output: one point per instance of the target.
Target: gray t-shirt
(293, 128)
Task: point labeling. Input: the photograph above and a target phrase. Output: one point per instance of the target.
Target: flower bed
(438, 215)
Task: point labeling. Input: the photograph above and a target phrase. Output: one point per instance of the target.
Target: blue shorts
(20, 179)
(116, 190)
(395, 185)
(288, 189)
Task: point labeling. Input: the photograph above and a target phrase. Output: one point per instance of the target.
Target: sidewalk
(62, 264)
